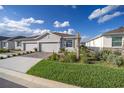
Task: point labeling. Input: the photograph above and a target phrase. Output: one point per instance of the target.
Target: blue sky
(88, 20)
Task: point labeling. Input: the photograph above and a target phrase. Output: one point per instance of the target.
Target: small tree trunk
(78, 46)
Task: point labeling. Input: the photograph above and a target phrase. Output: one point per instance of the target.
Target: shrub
(110, 57)
(8, 56)
(67, 57)
(27, 52)
(54, 56)
(62, 50)
(83, 58)
(13, 54)
(1, 57)
(4, 50)
(117, 53)
(35, 49)
(19, 53)
(118, 60)
(104, 54)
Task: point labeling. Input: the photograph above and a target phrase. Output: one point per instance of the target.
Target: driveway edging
(36, 80)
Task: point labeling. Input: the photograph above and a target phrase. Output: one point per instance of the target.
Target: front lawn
(83, 75)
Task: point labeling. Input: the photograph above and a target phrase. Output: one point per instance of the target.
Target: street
(8, 84)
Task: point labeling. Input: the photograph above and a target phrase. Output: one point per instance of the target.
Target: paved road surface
(8, 84)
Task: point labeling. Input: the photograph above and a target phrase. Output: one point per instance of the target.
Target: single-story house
(47, 42)
(108, 40)
(9, 43)
(50, 42)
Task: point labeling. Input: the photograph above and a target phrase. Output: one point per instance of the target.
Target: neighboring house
(109, 40)
(10, 42)
(2, 38)
(50, 42)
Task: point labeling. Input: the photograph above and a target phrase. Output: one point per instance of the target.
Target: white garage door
(50, 47)
(30, 47)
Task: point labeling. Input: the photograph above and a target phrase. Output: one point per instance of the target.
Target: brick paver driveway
(39, 55)
(19, 63)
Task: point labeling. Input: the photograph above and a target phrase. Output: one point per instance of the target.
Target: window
(68, 43)
(116, 41)
(18, 43)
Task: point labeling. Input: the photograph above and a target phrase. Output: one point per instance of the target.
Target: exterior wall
(18, 47)
(0, 44)
(104, 42)
(6, 47)
(96, 44)
(11, 45)
(107, 41)
(63, 44)
(50, 38)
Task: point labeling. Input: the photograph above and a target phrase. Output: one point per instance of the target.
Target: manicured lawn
(83, 75)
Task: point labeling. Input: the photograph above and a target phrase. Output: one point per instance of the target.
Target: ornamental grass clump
(119, 61)
(70, 57)
(54, 56)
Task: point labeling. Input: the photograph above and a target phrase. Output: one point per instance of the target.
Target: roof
(112, 32)
(14, 38)
(62, 34)
(3, 38)
(116, 31)
(41, 36)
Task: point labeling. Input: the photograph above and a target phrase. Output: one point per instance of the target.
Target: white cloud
(69, 31)
(100, 12)
(21, 27)
(74, 6)
(58, 24)
(1, 7)
(109, 17)
(40, 31)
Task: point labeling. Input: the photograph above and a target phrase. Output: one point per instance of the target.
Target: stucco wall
(98, 42)
(50, 38)
(18, 47)
(107, 41)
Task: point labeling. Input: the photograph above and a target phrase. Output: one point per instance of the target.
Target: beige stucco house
(47, 42)
(109, 40)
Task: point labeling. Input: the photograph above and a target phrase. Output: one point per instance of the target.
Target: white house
(9, 43)
(47, 42)
(109, 40)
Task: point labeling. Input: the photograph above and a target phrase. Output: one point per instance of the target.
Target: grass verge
(83, 75)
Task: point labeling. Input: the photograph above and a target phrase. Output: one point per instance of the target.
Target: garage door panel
(30, 47)
(50, 47)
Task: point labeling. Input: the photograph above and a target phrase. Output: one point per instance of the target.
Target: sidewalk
(31, 81)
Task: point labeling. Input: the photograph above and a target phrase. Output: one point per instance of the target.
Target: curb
(32, 81)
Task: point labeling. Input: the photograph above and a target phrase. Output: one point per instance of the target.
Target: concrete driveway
(20, 64)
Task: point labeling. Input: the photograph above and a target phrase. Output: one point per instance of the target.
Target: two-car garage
(42, 47)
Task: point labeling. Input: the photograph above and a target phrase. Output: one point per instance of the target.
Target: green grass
(83, 75)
